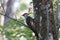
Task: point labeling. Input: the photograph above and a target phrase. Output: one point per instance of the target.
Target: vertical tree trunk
(9, 11)
(39, 15)
(44, 17)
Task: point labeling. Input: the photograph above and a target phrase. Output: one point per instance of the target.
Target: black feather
(31, 23)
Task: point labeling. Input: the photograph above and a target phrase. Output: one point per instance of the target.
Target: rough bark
(44, 17)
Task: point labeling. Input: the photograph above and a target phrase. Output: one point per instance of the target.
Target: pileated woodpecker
(31, 23)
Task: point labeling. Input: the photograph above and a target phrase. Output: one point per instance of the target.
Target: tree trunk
(44, 17)
(9, 11)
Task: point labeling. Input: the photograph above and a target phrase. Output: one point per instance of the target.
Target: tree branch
(19, 22)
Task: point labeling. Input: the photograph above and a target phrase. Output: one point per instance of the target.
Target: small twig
(14, 20)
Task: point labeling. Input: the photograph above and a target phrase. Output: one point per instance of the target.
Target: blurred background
(12, 30)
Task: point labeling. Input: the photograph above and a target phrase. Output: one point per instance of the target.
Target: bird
(31, 23)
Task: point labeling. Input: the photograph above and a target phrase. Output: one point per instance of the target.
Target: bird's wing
(32, 23)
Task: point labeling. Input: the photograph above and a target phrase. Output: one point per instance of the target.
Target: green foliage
(59, 35)
(55, 4)
(23, 6)
(13, 30)
(0, 0)
(1, 28)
